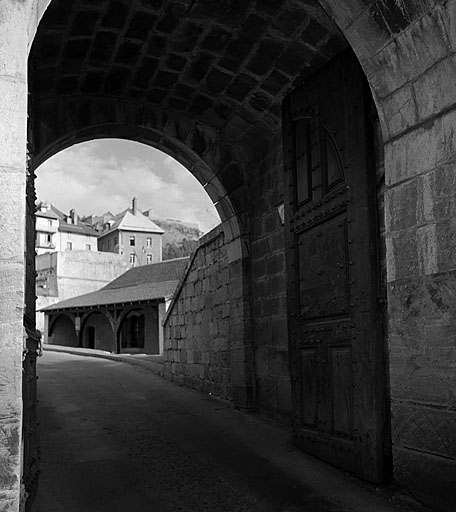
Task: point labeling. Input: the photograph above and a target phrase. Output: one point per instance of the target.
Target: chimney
(134, 206)
(73, 217)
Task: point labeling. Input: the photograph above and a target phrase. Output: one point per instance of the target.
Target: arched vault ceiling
(225, 63)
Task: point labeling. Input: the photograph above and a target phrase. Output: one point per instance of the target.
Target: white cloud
(98, 176)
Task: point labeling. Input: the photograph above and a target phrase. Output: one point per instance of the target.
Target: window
(49, 239)
(116, 241)
(149, 258)
(149, 242)
(69, 246)
(109, 244)
(132, 257)
(132, 241)
(102, 246)
(88, 247)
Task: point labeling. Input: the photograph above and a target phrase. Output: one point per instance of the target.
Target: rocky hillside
(179, 239)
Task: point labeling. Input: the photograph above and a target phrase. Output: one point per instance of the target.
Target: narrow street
(117, 438)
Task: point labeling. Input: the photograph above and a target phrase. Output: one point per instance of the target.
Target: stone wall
(197, 343)
(270, 336)
(13, 132)
(407, 50)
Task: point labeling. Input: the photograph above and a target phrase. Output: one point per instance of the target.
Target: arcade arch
(97, 332)
(61, 331)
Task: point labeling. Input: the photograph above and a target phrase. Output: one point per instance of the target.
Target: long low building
(125, 316)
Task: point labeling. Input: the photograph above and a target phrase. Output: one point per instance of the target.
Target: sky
(104, 175)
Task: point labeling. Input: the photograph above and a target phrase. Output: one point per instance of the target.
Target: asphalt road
(117, 438)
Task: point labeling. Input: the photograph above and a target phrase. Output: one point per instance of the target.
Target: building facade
(56, 231)
(46, 225)
(66, 274)
(125, 316)
(133, 235)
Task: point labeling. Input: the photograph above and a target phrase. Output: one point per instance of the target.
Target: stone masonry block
(13, 108)
(266, 392)
(422, 346)
(366, 34)
(284, 395)
(427, 429)
(448, 14)
(262, 362)
(427, 249)
(439, 194)
(414, 153)
(408, 55)
(445, 236)
(400, 110)
(279, 365)
(430, 478)
(346, 13)
(12, 290)
(435, 90)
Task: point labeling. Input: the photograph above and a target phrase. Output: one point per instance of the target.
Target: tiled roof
(47, 215)
(169, 270)
(142, 292)
(148, 282)
(129, 222)
(79, 229)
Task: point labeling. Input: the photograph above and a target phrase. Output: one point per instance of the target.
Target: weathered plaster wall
(270, 337)
(80, 272)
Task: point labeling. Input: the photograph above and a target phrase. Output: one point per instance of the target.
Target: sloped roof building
(124, 316)
(134, 235)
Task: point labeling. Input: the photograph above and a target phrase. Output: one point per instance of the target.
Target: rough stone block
(12, 289)
(262, 362)
(266, 392)
(427, 429)
(284, 402)
(445, 245)
(400, 110)
(13, 108)
(409, 54)
(434, 90)
(421, 320)
(430, 478)
(402, 255)
(279, 365)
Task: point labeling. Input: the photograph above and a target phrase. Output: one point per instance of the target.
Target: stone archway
(406, 51)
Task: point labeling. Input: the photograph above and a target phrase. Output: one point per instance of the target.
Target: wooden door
(335, 342)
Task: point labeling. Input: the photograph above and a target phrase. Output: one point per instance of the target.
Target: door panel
(335, 346)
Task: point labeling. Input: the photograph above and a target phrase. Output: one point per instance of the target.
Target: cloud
(98, 176)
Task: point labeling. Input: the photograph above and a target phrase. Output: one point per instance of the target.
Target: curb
(155, 367)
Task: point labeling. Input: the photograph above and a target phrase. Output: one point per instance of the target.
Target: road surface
(117, 438)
